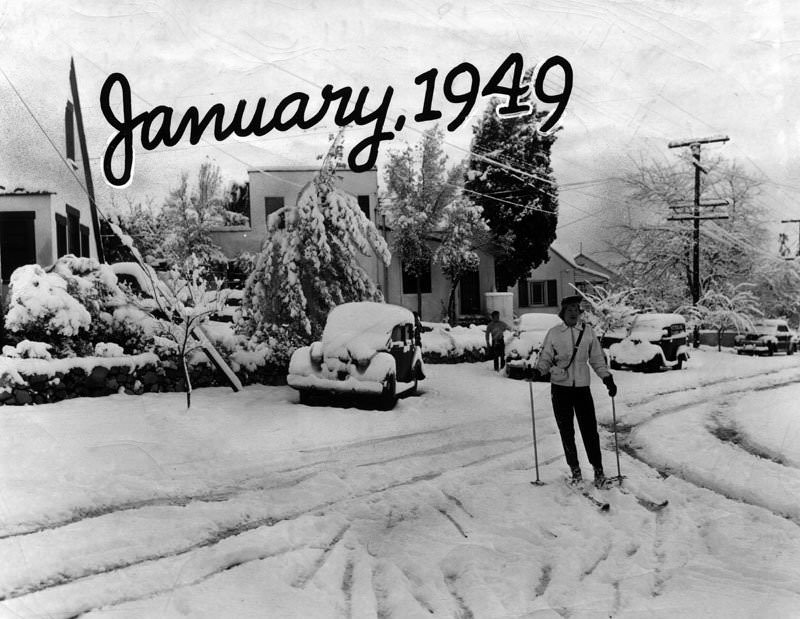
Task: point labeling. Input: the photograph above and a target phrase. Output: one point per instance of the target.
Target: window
(85, 251)
(61, 235)
(272, 204)
(410, 282)
(73, 231)
(363, 203)
(538, 293)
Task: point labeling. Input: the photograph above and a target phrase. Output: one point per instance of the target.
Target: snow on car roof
(365, 317)
(535, 321)
(656, 320)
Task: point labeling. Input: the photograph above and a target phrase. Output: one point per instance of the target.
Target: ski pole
(616, 445)
(538, 482)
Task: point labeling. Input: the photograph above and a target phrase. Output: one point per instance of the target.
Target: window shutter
(522, 289)
(552, 293)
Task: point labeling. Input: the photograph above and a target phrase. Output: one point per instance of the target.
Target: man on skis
(567, 352)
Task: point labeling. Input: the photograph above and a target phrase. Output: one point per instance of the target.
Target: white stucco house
(547, 284)
(38, 227)
(272, 188)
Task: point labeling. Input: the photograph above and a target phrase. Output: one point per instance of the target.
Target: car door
(402, 349)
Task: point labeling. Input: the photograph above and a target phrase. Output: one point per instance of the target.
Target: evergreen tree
(518, 196)
(308, 263)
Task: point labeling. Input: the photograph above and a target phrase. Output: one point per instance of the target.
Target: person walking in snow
(495, 343)
(567, 352)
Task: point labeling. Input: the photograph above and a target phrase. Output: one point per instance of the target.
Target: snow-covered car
(654, 341)
(522, 350)
(367, 348)
(767, 337)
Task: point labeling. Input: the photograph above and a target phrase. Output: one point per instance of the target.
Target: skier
(565, 353)
(494, 340)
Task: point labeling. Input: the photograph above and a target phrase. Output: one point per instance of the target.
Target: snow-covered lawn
(252, 505)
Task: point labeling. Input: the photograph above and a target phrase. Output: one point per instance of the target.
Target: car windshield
(761, 327)
(656, 321)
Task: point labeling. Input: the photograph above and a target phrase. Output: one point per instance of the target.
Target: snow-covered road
(251, 505)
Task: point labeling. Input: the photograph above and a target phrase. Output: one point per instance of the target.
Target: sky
(645, 73)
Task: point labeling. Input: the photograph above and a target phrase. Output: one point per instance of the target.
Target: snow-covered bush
(105, 349)
(41, 309)
(72, 306)
(28, 350)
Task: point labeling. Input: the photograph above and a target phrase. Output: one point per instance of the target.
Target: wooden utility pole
(87, 171)
(794, 221)
(694, 145)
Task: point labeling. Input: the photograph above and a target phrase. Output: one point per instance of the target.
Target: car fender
(380, 367)
(683, 350)
(300, 363)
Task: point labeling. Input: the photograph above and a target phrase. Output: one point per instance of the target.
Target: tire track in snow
(301, 581)
(66, 577)
(177, 500)
(464, 611)
(720, 381)
(624, 431)
(454, 522)
(544, 580)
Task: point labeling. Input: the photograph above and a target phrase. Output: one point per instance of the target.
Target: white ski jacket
(557, 351)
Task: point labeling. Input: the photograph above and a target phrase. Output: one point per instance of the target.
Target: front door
(470, 293)
(17, 241)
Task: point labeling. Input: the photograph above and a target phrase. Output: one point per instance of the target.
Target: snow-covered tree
(419, 188)
(777, 285)
(613, 308)
(655, 254)
(511, 177)
(189, 216)
(308, 263)
(463, 230)
(186, 301)
(730, 306)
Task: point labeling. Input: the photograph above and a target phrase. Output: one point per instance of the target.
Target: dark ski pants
(577, 402)
(498, 352)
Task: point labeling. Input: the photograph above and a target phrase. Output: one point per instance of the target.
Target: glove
(608, 381)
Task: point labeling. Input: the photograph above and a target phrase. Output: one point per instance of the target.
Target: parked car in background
(367, 349)
(654, 341)
(523, 349)
(767, 337)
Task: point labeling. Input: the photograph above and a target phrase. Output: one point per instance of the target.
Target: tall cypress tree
(519, 197)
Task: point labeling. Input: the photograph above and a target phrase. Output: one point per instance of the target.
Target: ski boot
(599, 478)
(576, 477)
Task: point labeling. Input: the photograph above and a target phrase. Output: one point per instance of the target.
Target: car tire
(790, 350)
(306, 398)
(770, 350)
(614, 365)
(389, 396)
(679, 364)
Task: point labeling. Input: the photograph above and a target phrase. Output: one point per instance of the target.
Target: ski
(646, 502)
(603, 506)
